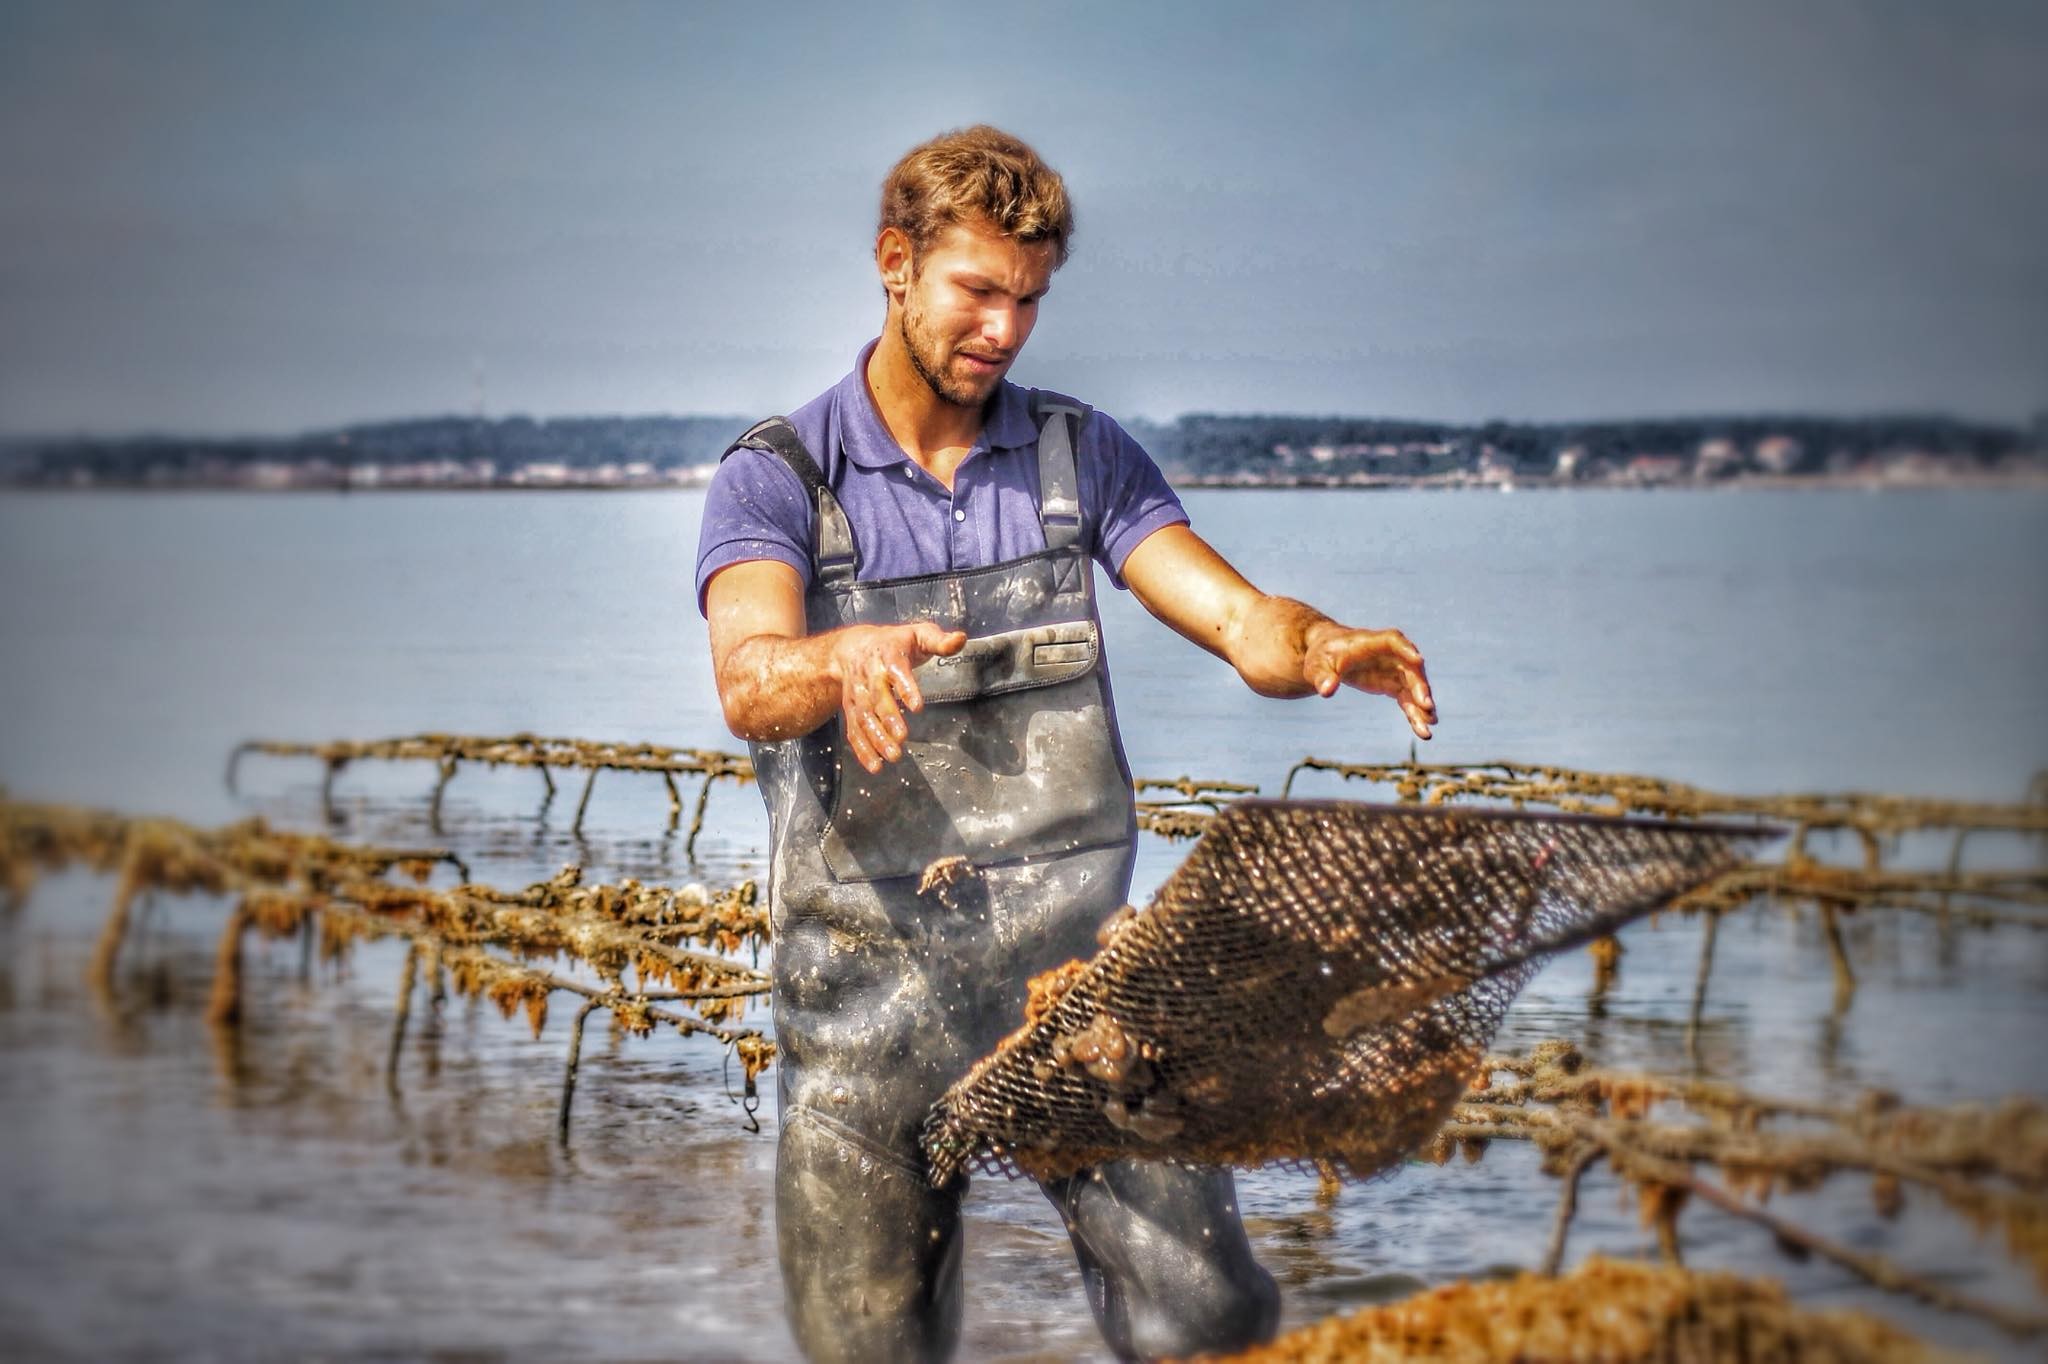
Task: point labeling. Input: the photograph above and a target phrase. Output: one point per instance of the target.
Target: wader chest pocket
(1012, 660)
(1022, 766)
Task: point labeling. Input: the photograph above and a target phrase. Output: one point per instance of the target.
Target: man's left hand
(1383, 662)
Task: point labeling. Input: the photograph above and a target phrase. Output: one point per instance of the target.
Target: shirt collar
(867, 441)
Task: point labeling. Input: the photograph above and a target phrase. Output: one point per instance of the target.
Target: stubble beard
(959, 393)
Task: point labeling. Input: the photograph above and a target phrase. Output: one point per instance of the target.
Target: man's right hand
(776, 681)
(874, 665)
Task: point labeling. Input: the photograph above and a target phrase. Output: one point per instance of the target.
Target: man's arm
(1279, 646)
(776, 682)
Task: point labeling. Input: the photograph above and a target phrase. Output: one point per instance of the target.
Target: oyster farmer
(899, 584)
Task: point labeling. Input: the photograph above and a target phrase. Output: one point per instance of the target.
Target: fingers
(1410, 691)
(874, 726)
(863, 732)
(1322, 672)
(901, 677)
(1385, 662)
(924, 640)
(887, 678)
(1420, 694)
(880, 683)
(936, 643)
(859, 738)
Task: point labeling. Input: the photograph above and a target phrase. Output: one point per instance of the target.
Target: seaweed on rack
(1178, 817)
(1986, 1162)
(484, 940)
(1872, 817)
(449, 751)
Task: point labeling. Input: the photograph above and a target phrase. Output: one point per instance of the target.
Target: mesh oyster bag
(1318, 980)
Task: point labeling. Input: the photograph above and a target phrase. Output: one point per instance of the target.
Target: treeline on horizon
(508, 442)
(1199, 445)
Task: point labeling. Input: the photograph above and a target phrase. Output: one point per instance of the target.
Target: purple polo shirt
(904, 521)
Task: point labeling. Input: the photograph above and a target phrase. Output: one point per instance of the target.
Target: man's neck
(935, 434)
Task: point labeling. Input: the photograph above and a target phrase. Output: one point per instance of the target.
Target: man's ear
(896, 262)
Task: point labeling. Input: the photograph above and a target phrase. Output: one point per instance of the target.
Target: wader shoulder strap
(1059, 487)
(832, 551)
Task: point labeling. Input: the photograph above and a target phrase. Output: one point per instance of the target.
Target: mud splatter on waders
(883, 998)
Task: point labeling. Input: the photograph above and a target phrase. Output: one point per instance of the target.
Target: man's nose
(999, 327)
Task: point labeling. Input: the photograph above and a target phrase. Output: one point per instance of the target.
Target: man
(902, 621)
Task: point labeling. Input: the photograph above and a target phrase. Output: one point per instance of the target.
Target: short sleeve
(755, 509)
(1128, 489)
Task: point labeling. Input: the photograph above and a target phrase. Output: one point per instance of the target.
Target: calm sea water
(169, 1200)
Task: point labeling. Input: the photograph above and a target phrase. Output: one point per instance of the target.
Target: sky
(254, 218)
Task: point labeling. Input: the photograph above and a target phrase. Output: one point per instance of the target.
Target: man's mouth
(985, 362)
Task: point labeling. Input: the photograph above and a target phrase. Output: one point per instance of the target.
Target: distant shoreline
(1197, 451)
(1740, 482)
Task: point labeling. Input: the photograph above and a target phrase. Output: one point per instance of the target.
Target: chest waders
(883, 996)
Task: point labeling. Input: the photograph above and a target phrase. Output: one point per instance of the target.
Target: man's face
(970, 304)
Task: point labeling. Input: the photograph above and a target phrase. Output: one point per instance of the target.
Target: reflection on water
(269, 1197)
(265, 1194)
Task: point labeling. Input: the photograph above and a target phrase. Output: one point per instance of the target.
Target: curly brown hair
(979, 173)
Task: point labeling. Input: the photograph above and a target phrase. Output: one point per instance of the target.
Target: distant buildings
(1779, 455)
(1203, 449)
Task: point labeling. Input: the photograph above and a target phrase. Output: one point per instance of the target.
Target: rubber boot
(870, 1252)
(1165, 1259)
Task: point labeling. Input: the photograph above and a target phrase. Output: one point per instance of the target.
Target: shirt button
(959, 515)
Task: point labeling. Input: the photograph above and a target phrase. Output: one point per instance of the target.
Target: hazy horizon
(741, 420)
